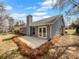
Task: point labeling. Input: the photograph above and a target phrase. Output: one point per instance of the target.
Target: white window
(42, 31)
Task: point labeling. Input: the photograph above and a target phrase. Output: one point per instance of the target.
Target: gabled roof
(46, 21)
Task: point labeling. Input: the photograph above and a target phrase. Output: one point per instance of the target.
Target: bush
(77, 30)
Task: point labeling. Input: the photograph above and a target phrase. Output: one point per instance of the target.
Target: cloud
(8, 7)
(22, 16)
(47, 4)
(39, 13)
(46, 16)
(43, 8)
(31, 8)
(19, 16)
(35, 18)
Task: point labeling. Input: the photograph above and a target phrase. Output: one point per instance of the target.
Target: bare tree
(3, 18)
(65, 3)
(11, 24)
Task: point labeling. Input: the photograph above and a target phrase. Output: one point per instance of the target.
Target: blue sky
(39, 9)
(26, 7)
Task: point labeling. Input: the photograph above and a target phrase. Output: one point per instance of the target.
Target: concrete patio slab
(33, 42)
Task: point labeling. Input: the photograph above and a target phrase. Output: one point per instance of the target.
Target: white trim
(42, 35)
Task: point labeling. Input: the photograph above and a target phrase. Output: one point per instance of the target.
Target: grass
(13, 54)
(71, 31)
(5, 37)
(8, 49)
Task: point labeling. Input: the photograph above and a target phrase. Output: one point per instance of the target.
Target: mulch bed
(36, 53)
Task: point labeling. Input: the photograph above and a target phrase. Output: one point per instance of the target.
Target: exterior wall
(48, 32)
(36, 31)
(51, 31)
(57, 28)
(30, 31)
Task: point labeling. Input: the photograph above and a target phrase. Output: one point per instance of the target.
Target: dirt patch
(37, 52)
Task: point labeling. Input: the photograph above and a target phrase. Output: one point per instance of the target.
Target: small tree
(73, 25)
(77, 22)
(11, 24)
(77, 26)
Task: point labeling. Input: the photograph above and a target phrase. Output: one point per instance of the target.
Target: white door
(42, 32)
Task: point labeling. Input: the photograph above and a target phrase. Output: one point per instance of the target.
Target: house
(46, 28)
(19, 29)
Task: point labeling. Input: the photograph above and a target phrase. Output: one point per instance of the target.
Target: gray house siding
(57, 28)
(48, 32)
(31, 31)
(36, 31)
(51, 31)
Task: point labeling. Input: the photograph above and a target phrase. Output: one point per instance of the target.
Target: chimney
(29, 22)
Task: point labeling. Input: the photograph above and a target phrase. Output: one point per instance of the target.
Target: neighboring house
(46, 28)
(20, 29)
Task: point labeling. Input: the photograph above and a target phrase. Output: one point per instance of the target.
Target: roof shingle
(46, 21)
